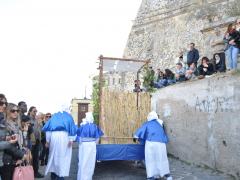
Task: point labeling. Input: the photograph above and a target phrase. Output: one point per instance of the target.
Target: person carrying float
(60, 134)
(88, 135)
(152, 134)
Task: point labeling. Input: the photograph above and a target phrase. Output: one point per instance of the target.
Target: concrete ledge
(202, 118)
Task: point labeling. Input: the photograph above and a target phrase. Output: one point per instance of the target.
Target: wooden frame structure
(101, 69)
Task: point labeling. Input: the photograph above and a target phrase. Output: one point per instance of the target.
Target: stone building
(164, 28)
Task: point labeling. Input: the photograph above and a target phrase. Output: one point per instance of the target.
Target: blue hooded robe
(89, 130)
(61, 121)
(151, 131)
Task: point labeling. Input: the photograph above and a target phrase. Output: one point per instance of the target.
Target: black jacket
(12, 154)
(192, 56)
(8, 152)
(235, 35)
(221, 65)
(210, 70)
(3, 143)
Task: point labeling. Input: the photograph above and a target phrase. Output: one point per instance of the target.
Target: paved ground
(122, 170)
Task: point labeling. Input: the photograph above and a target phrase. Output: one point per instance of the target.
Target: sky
(49, 48)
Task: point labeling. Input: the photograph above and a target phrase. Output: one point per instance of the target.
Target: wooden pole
(124, 59)
(138, 91)
(101, 123)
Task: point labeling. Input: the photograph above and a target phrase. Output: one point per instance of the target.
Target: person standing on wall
(192, 55)
(232, 40)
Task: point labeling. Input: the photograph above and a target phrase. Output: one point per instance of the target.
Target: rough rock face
(163, 28)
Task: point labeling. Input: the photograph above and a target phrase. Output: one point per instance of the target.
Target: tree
(95, 99)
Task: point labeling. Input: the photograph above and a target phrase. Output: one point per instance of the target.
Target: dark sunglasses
(48, 116)
(14, 110)
(2, 103)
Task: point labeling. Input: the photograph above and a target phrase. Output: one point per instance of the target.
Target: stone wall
(203, 121)
(163, 28)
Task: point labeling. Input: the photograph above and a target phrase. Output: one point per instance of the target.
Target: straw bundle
(121, 115)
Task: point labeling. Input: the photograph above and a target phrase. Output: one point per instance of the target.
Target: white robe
(156, 159)
(60, 153)
(87, 159)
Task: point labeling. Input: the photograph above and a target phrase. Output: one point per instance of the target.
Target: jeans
(161, 83)
(171, 81)
(232, 54)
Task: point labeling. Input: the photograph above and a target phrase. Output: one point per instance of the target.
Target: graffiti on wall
(216, 104)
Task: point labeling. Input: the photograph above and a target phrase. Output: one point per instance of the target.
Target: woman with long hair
(170, 77)
(13, 153)
(35, 140)
(219, 62)
(232, 40)
(13, 123)
(205, 68)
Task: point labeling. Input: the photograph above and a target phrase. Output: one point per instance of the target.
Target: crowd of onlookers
(21, 137)
(188, 65)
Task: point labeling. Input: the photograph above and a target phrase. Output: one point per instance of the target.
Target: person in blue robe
(153, 135)
(60, 134)
(88, 135)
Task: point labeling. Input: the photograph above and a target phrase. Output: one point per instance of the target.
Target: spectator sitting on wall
(180, 59)
(191, 72)
(137, 86)
(169, 76)
(219, 62)
(193, 55)
(168, 79)
(180, 72)
(161, 83)
(206, 68)
(158, 75)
